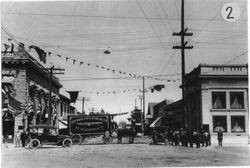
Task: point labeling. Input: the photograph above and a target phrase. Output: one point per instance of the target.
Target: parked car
(44, 134)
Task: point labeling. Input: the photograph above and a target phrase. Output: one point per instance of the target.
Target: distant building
(157, 113)
(31, 85)
(173, 114)
(217, 98)
(150, 114)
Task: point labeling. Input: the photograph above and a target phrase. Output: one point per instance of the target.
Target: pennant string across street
(42, 56)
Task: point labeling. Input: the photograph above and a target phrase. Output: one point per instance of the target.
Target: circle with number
(230, 12)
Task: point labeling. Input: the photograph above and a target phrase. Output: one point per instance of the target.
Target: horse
(125, 132)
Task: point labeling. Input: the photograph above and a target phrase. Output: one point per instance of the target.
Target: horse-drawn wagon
(83, 126)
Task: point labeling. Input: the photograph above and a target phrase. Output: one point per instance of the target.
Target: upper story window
(218, 100)
(236, 100)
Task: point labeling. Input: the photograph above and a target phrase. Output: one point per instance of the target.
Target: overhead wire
(143, 12)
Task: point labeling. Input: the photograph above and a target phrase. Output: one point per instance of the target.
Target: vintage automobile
(44, 134)
(159, 131)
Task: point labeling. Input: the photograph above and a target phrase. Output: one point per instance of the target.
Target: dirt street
(123, 155)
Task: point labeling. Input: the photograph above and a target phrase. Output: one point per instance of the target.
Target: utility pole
(143, 98)
(183, 46)
(51, 73)
(83, 101)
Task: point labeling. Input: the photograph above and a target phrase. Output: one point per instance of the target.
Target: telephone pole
(83, 101)
(183, 46)
(143, 103)
(52, 69)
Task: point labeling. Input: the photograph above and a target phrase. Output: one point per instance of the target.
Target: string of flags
(122, 91)
(43, 57)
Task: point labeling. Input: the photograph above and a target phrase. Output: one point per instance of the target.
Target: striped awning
(156, 123)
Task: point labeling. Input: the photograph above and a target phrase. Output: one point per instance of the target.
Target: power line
(112, 17)
(231, 60)
(142, 10)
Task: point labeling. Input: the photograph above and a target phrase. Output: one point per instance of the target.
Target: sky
(138, 33)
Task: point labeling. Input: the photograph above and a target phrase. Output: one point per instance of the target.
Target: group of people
(20, 138)
(188, 139)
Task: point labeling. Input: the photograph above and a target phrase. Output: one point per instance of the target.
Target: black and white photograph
(124, 83)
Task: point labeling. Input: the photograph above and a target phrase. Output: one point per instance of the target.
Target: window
(238, 123)
(236, 100)
(219, 100)
(219, 123)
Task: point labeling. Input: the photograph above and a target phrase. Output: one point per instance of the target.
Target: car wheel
(34, 143)
(76, 139)
(67, 142)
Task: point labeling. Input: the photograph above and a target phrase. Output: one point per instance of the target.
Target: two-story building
(217, 98)
(32, 83)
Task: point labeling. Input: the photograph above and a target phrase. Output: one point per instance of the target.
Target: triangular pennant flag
(6, 47)
(12, 48)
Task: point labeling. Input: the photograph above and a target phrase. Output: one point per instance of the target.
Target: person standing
(17, 139)
(220, 137)
(198, 139)
(23, 138)
(209, 138)
(206, 140)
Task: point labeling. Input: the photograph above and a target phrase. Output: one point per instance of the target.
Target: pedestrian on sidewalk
(209, 138)
(17, 139)
(5, 140)
(220, 137)
(23, 137)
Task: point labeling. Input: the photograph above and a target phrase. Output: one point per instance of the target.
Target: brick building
(32, 87)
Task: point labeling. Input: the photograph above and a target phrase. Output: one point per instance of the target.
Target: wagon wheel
(77, 139)
(34, 143)
(67, 142)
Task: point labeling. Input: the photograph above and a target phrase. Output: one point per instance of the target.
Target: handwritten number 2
(230, 12)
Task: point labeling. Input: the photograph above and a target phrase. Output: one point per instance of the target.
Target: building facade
(32, 83)
(217, 98)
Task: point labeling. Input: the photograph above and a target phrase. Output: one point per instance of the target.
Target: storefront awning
(62, 124)
(156, 123)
